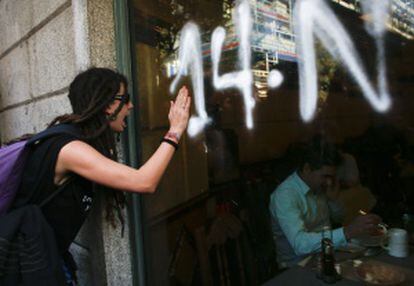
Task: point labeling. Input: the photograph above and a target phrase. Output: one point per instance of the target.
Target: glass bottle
(328, 272)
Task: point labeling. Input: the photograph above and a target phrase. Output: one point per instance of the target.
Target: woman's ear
(111, 108)
(109, 114)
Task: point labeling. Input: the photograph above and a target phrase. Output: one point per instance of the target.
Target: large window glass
(283, 72)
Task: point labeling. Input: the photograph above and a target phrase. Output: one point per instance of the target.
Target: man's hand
(362, 225)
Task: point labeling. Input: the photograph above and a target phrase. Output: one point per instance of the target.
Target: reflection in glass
(208, 223)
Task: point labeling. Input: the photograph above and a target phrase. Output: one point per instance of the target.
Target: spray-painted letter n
(315, 17)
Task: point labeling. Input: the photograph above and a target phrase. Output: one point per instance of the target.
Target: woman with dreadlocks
(86, 162)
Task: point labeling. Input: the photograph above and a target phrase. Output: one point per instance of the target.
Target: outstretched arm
(81, 158)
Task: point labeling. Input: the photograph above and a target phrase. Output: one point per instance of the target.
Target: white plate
(378, 273)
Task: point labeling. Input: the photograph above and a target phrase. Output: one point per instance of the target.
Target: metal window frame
(131, 140)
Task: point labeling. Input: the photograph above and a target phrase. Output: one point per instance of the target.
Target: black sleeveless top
(67, 211)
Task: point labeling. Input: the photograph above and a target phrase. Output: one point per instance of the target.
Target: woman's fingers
(179, 111)
(171, 108)
(183, 100)
(181, 97)
(188, 104)
(184, 91)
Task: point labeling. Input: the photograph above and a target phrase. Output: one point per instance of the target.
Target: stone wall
(44, 44)
(36, 64)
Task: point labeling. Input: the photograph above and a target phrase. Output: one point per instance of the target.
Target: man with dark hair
(305, 203)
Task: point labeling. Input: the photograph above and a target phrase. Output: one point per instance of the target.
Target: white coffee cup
(397, 242)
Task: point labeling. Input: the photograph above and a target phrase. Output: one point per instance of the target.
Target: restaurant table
(306, 276)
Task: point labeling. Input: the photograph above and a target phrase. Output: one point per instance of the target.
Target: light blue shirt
(298, 217)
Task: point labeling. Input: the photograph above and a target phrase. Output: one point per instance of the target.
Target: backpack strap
(55, 130)
(48, 133)
(56, 192)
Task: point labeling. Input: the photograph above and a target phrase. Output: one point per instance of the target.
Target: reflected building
(272, 41)
(273, 38)
(401, 18)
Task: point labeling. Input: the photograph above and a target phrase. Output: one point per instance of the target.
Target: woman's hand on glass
(180, 112)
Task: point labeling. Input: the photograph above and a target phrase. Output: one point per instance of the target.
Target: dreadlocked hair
(90, 93)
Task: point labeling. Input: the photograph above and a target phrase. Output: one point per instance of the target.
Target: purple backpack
(13, 158)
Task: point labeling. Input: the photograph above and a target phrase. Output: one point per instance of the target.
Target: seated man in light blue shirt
(304, 204)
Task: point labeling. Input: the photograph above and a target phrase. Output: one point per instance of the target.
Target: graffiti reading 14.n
(311, 17)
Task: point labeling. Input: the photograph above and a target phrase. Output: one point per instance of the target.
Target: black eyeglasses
(125, 98)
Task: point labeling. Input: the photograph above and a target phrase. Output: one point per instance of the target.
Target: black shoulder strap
(48, 133)
(56, 192)
(54, 130)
